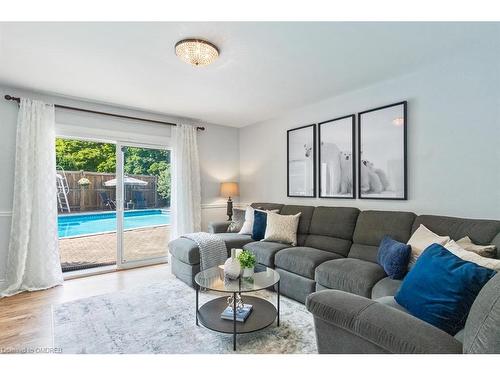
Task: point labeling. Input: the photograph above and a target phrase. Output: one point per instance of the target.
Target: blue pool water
(85, 224)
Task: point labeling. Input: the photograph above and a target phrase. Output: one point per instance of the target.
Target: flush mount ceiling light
(196, 52)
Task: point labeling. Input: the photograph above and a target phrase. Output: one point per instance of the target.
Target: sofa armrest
(379, 326)
(218, 226)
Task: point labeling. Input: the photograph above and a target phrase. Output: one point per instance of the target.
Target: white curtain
(186, 189)
(33, 259)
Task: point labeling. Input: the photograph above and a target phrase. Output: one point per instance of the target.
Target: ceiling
(264, 69)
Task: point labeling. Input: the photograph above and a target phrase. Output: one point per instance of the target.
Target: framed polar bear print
(301, 162)
(382, 152)
(337, 158)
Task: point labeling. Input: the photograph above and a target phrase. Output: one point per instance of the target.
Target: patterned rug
(159, 318)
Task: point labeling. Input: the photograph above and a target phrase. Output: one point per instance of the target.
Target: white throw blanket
(213, 251)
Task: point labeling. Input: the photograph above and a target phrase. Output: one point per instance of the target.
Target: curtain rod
(18, 100)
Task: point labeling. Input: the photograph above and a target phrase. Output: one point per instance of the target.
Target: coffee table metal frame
(264, 313)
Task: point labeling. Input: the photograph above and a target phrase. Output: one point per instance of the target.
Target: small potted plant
(247, 263)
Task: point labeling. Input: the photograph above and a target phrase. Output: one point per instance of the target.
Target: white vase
(232, 266)
(248, 272)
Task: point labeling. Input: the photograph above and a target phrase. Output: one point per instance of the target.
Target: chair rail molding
(5, 213)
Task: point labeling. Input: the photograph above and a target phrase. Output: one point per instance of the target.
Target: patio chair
(139, 200)
(107, 201)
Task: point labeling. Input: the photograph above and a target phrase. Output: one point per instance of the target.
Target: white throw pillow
(282, 228)
(487, 251)
(247, 227)
(470, 256)
(421, 240)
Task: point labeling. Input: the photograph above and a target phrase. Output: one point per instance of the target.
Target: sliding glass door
(143, 204)
(86, 203)
(114, 203)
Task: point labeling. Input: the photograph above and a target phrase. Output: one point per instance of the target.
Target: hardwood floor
(26, 318)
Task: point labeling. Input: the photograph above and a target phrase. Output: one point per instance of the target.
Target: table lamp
(228, 190)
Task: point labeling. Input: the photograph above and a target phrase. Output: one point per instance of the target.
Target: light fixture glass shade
(196, 52)
(229, 189)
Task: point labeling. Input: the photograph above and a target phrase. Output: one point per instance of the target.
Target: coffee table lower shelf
(263, 315)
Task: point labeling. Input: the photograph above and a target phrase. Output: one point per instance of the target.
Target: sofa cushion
(487, 251)
(481, 232)
(334, 222)
(441, 288)
(350, 275)
(421, 239)
(265, 251)
(393, 256)
(332, 228)
(372, 226)
(282, 228)
(304, 221)
(364, 252)
(332, 244)
(470, 256)
(238, 219)
(184, 250)
(235, 240)
(187, 251)
(482, 329)
(302, 260)
(390, 301)
(496, 241)
(259, 225)
(267, 206)
(385, 287)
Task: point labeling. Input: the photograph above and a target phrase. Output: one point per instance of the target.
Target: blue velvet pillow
(393, 256)
(259, 225)
(441, 288)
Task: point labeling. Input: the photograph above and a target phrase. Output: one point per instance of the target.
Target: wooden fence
(88, 198)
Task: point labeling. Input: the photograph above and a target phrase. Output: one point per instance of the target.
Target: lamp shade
(229, 189)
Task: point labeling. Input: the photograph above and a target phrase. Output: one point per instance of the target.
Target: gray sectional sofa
(333, 269)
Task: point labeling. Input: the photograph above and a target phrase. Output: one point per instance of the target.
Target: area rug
(160, 318)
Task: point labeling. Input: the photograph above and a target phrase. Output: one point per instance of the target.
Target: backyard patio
(100, 249)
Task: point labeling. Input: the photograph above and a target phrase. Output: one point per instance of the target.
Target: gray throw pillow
(238, 220)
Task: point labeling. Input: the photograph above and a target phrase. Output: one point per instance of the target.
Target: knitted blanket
(213, 250)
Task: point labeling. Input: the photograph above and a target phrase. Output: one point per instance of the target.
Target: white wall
(453, 140)
(218, 148)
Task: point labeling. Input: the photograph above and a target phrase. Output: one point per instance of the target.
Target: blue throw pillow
(259, 225)
(441, 288)
(393, 256)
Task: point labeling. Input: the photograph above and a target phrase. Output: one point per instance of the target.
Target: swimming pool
(93, 223)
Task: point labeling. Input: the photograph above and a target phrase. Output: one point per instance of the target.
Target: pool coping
(89, 213)
(114, 231)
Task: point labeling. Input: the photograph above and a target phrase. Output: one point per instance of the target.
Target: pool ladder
(62, 190)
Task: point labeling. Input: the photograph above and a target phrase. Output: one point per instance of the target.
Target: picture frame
(382, 152)
(301, 161)
(337, 158)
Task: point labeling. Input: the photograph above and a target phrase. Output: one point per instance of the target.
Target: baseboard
(222, 205)
(207, 206)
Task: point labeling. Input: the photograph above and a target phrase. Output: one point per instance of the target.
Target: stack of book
(241, 315)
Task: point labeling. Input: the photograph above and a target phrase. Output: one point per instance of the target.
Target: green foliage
(140, 160)
(247, 259)
(164, 186)
(75, 155)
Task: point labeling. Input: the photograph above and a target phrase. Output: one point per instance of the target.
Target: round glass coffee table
(263, 312)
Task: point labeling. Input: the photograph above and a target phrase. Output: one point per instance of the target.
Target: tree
(75, 155)
(164, 184)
